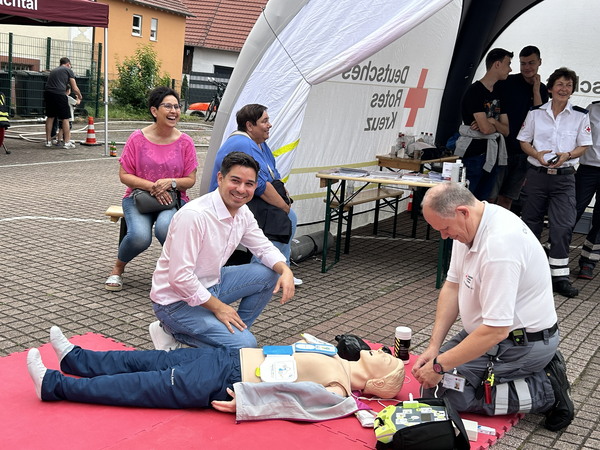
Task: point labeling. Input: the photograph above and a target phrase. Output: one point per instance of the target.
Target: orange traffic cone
(91, 134)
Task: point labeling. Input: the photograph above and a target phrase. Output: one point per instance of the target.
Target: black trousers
(587, 183)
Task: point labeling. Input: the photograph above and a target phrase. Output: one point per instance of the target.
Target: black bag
(274, 221)
(147, 203)
(438, 435)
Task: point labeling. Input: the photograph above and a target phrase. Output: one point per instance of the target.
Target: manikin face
(259, 132)
(453, 228)
(237, 187)
(562, 89)
(529, 66)
(377, 363)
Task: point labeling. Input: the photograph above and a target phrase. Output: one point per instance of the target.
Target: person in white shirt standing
(554, 136)
(192, 290)
(587, 183)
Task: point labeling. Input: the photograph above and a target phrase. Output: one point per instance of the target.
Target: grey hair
(446, 197)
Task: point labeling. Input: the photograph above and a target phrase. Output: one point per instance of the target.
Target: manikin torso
(325, 370)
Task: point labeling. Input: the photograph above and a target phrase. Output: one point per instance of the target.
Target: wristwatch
(173, 183)
(437, 367)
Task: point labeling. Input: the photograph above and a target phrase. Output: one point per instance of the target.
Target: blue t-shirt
(263, 156)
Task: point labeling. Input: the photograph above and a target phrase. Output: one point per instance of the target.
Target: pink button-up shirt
(202, 236)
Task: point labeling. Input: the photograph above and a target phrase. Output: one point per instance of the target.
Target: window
(153, 29)
(136, 30)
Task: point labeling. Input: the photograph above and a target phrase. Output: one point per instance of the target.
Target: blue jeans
(284, 248)
(481, 182)
(139, 229)
(182, 378)
(197, 326)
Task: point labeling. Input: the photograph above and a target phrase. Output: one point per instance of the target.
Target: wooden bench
(115, 213)
(366, 196)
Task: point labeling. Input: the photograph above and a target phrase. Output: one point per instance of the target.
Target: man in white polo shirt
(192, 290)
(499, 282)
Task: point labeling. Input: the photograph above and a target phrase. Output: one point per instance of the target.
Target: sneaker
(297, 281)
(586, 272)
(563, 287)
(161, 339)
(60, 343)
(69, 145)
(54, 142)
(563, 410)
(48, 144)
(36, 370)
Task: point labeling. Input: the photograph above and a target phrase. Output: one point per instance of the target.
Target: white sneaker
(60, 343)
(36, 370)
(161, 339)
(297, 281)
(69, 145)
(48, 144)
(54, 142)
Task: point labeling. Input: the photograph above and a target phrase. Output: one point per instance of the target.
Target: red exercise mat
(31, 424)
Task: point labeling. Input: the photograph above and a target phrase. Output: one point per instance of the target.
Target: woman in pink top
(157, 158)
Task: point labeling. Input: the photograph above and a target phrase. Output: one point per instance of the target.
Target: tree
(137, 76)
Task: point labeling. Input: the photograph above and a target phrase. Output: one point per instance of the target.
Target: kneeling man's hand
(285, 282)
(225, 314)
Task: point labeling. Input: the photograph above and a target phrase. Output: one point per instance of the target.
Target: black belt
(538, 335)
(564, 171)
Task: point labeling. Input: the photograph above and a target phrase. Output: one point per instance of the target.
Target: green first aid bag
(428, 426)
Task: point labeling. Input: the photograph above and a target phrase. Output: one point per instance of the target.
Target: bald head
(452, 209)
(444, 198)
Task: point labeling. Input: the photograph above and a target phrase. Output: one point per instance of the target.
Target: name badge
(454, 382)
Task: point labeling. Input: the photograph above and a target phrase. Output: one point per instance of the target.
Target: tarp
(341, 78)
(57, 13)
(340, 82)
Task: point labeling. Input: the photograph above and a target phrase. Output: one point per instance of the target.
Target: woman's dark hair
(238, 159)
(563, 72)
(157, 95)
(250, 113)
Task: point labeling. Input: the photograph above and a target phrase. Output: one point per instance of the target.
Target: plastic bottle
(402, 152)
(113, 149)
(398, 144)
(422, 138)
(402, 343)
(457, 171)
(349, 187)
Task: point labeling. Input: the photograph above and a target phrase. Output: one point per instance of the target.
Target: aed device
(393, 418)
(279, 365)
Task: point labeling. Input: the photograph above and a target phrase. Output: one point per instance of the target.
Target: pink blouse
(152, 162)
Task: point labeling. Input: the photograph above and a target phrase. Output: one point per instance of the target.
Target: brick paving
(58, 247)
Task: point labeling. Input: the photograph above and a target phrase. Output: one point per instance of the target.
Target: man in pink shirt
(191, 288)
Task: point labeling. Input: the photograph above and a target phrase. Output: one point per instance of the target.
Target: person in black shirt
(520, 92)
(481, 144)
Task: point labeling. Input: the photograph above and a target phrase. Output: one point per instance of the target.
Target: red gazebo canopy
(56, 13)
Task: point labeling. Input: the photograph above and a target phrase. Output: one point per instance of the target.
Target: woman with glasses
(158, 158)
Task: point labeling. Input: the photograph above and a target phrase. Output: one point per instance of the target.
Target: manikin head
(385, 373)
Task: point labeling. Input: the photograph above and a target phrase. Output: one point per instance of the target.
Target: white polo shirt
(564, 134)
(592, 156)
(504, 278)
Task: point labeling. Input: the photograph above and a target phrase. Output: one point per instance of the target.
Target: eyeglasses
(170, 106)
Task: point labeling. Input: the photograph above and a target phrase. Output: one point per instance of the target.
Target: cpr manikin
(199, 377)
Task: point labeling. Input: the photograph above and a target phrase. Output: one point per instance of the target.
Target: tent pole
(106, 92)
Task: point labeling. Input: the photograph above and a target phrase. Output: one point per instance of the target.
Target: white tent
(341, 78)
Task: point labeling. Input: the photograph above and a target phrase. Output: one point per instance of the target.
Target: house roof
(173, 6)
(221, 24)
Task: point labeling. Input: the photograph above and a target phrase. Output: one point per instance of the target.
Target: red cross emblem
(588, 129)
(415, 99)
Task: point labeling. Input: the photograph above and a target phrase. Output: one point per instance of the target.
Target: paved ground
(57, 249)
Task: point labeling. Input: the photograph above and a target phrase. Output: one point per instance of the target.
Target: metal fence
(200, 88)
(25, 63)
